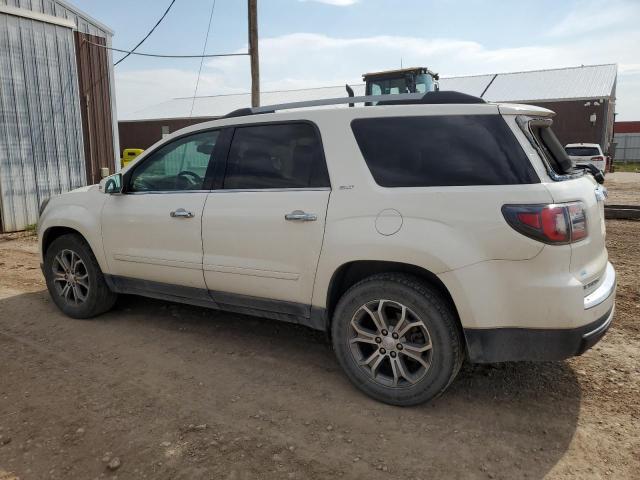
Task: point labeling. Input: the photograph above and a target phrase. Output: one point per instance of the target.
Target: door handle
(300, 216)
(181, 213)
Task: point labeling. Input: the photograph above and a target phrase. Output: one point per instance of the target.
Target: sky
(311, 43)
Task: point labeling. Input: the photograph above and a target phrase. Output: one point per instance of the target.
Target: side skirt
(291, 312)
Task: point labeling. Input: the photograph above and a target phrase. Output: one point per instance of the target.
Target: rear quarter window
(447, 150)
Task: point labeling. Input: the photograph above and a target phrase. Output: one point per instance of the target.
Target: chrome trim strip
(602, 327)
(251, 272)
(229, 190)
(155, 192)
(163, 262)
(604, 291)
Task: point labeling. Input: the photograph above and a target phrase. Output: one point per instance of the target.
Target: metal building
(58, 126)
(582, 97)
(627, 139)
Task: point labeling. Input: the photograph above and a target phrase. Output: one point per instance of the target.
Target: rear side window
(442, 151)
(276, 156)
(582, 151)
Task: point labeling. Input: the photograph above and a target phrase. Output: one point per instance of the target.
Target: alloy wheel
(70, 277)
(390, 343)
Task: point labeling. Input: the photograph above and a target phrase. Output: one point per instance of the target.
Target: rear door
(262, 231)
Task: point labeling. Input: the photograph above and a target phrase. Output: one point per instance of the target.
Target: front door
(152, 232)
(263, 231)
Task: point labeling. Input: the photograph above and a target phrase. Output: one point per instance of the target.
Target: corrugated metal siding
(473, 85)
(627, 147)
(592, 81)
(40, 131)
(95, 101)
(58, 8)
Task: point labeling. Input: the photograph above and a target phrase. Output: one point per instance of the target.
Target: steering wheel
(193, 178)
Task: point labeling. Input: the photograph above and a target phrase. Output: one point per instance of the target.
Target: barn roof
(583, 82)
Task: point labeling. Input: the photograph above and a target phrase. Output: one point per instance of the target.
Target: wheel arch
(51, 233)
(350, 273)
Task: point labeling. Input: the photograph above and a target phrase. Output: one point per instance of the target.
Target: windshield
(582, 151)
(389, 86)
(392, 86)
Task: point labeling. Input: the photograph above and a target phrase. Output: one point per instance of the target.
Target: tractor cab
(406, 80)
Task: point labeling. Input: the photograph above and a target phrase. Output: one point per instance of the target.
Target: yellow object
(128, 155)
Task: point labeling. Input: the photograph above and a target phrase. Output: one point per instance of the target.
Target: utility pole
(253, 52)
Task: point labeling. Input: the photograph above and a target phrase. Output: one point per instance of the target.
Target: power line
(148, 34)
(161, 55)
(204, 49)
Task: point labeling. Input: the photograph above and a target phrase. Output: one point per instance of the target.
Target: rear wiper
(593, 170)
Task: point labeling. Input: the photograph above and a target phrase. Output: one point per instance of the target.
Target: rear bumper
(518, 344)
(488, 345)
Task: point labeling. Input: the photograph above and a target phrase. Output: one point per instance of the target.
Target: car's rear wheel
(397, 339)
(74, 278)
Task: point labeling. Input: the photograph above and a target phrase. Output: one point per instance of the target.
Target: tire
(430, 353)
(74, 279)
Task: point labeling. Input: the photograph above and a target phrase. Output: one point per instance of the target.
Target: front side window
(179, 165)
(276, 156)
(452, 150)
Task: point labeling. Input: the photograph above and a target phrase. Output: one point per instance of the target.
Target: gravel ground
(163, 391)
(624, 188)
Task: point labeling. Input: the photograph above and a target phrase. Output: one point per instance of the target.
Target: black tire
(97, 298)
(423, 303)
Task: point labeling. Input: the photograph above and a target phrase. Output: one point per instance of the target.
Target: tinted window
(179, 165)
(276, 156)
(582, 151)
(442, 151)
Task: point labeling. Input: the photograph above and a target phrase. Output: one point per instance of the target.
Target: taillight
(558, 223)
(597, 159)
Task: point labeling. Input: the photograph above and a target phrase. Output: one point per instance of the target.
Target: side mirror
(112, 184)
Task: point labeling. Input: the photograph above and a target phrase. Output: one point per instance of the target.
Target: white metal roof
(472, 85)
(589, 81)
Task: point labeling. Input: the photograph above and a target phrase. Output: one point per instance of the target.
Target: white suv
(587, 154)
(416, 234)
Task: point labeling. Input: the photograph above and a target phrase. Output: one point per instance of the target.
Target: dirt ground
(623, 187)
(163, 391)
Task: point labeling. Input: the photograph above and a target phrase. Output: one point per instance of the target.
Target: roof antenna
(400, 63)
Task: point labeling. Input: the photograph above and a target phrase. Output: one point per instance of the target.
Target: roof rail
(440, 97)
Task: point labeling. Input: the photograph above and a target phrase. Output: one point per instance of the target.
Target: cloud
(303, 60)
(594, 16)
(337, 3)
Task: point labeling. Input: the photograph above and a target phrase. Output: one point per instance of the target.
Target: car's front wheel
(74, 278)
(397, 339)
